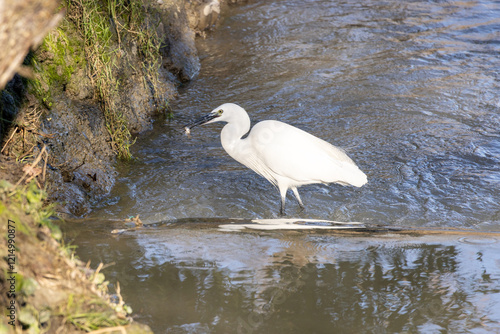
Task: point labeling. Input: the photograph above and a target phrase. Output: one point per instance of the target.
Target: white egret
(285, 155)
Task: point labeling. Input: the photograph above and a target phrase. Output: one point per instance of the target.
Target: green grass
(103, 25)
(26, 206)
(93, 36)
(91, 19)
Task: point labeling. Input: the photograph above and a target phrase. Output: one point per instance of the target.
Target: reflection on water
(182, 280)
(411, 90)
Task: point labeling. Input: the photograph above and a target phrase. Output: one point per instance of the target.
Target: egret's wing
(246, 154)
(298, 155)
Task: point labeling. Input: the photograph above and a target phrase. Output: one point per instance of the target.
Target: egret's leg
(283, 198)
(296, 193)
(282, 206)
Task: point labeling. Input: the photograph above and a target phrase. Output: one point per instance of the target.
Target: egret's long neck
(231, 134)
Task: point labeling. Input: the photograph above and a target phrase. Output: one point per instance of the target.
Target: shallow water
(411, 91)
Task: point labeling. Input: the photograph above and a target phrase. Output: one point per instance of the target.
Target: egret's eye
(219, 112)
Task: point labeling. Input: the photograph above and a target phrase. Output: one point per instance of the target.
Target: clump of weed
(102, 25)
(89, 314)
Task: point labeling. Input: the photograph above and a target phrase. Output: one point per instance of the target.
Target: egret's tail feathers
(359, 179)
(352, 175)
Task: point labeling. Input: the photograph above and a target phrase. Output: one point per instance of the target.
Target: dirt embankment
(94, 88)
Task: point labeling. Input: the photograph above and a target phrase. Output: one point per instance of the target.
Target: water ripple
(411, 90)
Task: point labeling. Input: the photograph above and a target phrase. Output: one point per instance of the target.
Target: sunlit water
(411, 91)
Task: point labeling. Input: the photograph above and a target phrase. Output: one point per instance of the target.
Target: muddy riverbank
(93, 89)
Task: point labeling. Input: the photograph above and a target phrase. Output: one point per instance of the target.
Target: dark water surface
(411, 90)
(203, 280)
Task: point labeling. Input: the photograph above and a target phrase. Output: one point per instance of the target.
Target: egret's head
(223, 113)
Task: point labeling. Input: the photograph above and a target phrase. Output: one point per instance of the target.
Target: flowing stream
(410, 90)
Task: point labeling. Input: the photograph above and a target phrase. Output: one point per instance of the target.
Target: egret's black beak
(202, 120)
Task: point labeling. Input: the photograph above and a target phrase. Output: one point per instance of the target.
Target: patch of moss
(55, 62)
(66, 56)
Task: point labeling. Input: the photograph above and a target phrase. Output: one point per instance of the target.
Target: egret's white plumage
(285, 155)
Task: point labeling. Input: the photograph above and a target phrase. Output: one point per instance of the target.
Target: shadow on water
(411, 90)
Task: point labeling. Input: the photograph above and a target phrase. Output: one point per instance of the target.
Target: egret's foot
(282, 207)
(297, 196)
(302, 207)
